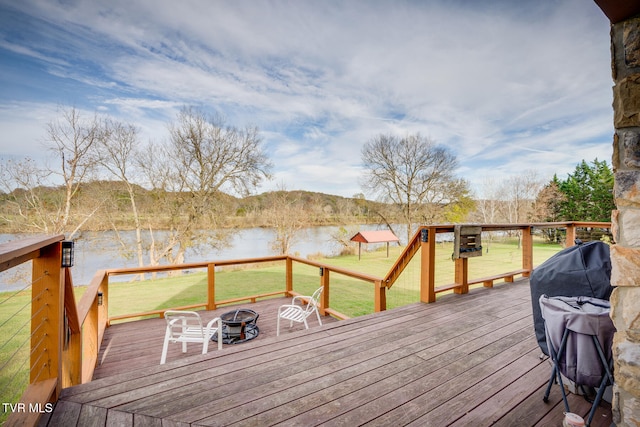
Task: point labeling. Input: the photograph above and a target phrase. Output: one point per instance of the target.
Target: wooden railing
(424, 241)
(66, 336)
(212, 302)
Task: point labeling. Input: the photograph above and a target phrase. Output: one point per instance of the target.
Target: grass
(350, 296)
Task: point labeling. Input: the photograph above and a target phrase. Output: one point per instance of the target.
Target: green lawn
(350, 296)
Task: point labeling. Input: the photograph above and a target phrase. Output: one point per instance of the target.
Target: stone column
(625, 254)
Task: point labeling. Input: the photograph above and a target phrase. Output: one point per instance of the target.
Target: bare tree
(155, 165)
(519, 192)
(488, 207)
(203, 157)
(73, 141)
(118, 154)
(37, 204)
(488, 201)
(342, 237)
(413, 173)
(29, 204)
(286, 216)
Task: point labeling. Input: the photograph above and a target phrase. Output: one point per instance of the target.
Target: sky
(507, 86)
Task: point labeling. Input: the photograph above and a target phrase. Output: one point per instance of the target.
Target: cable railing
(63, 343)
(32, 330)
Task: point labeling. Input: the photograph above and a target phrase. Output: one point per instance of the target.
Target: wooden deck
(465, 360)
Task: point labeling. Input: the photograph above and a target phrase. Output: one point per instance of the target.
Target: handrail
(343, 271)
(18, 252)
(192, 265)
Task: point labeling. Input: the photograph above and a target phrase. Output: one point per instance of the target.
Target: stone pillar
(625, 254)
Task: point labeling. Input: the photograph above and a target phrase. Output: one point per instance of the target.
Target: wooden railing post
(211, 286)
(428, 263)
(103, 307)
(289, 276)
(47, 314)
(527, 251)
(461, 275)
(380, 297)
(72, 347)
(90, 343)
(571, 236)
(324, 298)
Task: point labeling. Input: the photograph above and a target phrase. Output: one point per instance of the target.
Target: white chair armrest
(174, 321)
(210, 325)
(302, 299)
(211, 330)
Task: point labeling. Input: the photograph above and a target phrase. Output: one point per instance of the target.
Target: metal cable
(16, 293)
(36, 363)
(15, 314)
(13, 336)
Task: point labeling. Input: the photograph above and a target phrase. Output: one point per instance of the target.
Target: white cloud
(23, 127)
(503, 84)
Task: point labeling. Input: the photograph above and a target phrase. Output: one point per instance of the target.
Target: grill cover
(583, 317)
(581, 270)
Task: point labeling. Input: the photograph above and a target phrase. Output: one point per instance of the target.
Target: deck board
(466, 360)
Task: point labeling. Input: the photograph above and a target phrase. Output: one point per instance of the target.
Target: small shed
(377, 236)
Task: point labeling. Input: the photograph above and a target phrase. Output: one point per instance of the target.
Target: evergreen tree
(588, 193)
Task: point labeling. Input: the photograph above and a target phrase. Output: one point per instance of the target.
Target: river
(100, 250)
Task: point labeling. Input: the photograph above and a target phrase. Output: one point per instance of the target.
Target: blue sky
(508, 86)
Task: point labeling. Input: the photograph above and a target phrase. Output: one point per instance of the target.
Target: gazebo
(377, 236)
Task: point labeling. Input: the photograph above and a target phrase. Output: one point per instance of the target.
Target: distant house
(377, 236)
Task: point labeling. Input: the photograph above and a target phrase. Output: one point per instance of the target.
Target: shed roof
(377, 236)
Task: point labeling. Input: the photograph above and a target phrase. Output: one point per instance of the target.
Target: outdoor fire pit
(238, 326)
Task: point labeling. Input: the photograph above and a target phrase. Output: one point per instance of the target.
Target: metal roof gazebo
(377, 236)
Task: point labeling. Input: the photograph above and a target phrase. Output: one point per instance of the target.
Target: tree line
(205, 175)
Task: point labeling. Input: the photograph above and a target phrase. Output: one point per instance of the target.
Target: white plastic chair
(185, 327)
(296, 313)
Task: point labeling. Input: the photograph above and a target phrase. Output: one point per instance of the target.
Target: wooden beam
(380, 297)
(324, 297)
(527, 251)
(289, 276)
(571, 236)
(90, 344)
(18, 251)
(47, 314)
(72, 338)
(428, 264)
(461, 275)
(211, 286)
